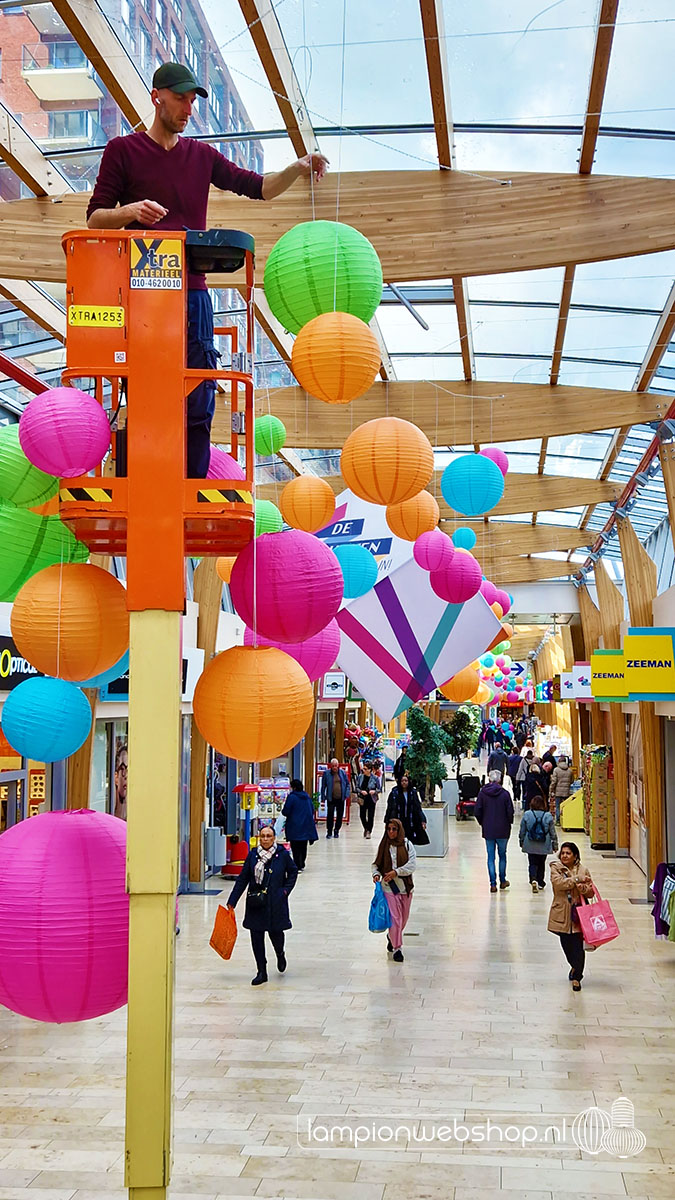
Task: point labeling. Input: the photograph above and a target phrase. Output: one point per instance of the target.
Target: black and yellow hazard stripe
(218, 495)
(99, 494)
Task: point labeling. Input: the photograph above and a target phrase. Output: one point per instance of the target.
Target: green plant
(461, 731)
(423, 760)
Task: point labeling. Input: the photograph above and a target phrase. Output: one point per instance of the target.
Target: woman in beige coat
(561, 786)
(570, 882)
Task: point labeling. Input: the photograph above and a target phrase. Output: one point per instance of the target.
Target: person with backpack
(494, 813)
(538, 839)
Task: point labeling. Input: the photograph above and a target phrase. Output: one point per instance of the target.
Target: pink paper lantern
(298, 585)
(512, 697)
(316, 656)
(488, 590)
(498, 457)
(433, 550)
(64, 916)
(503, 599)
(458, 582)
(500, 661)
(64, 432)
(223, 466)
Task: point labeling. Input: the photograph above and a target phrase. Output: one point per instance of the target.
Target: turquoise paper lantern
(98, 681)
(359, 569)
(46, 719)
(270, 435)
(472, 484)
(487, 660)
(464, 538)
(320, 267)
(268, 519)
(20, 482)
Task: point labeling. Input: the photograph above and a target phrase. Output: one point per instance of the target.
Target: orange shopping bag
(224, 932)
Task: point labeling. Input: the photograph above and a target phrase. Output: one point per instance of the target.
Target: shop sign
(649, 656)
(608, 677)
(566, 686)
(334, 686)
(13, 668)
(581, 681)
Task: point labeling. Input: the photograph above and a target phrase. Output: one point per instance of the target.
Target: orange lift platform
(127, 299)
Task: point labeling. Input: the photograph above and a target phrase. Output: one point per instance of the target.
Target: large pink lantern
(64, 432)
(498, 457)
(512, 697)
(504, 600)
(488, 590)
(223, 466)
(298, 585)
(316, 656)
(459, 581)
(433, 550)
(64, 916)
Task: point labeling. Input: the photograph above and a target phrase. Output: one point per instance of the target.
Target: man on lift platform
(177, 173)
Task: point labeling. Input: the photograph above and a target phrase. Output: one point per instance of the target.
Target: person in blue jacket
(270, 874)
(300, 827)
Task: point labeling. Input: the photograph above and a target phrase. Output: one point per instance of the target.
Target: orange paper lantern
(224, 568)
(253, 703)
(418, 515)
(71, 621)
(508, 630)
(497, 610)
(336, 357)
(482, 695)
(387, 461)
(462, 686)
(307, 502)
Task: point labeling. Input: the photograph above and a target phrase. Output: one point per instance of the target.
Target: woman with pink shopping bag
(571, 883)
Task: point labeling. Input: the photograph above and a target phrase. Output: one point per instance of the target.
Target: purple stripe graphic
(377, 653)
(401, 627)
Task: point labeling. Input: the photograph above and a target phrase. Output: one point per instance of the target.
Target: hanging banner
(608, 677)
(649, 657)
(566, 686)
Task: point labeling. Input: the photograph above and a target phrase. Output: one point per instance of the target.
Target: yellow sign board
(99, 316)
(649, 662)
(156, 263)
(608, 679)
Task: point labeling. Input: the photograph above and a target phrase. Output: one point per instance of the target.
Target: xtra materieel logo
(595, 1130)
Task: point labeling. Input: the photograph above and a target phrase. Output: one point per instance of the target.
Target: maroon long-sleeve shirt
(136, 168)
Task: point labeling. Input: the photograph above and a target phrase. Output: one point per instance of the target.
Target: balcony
(59, 71)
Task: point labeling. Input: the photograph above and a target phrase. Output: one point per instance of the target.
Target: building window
(178, 8)
(160, 22)
(147, 5)
(176, 49)
(72, 123)
(145, 49)
(159, 61)
(192, 55)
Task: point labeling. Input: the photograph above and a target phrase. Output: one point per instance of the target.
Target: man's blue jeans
(201, 402)
(491, 845)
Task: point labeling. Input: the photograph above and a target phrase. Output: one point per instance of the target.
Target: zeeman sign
(643, 670)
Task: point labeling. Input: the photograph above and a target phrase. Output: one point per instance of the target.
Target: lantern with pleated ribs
(28, 543)
(270, 435)
(463, 685)
(433, 550)
(20, 482)
(336, 357)
(253, 703)
(224, 568)
(46, 719)
(316, 656)
(298, 585)
(472, 484)
(307, 503)
(268, 519)
(459, 581)
(387, 461)
(64, 916)
(64, 431)
(71, 621)
(413, 517)
(223, 466)
(359, 569)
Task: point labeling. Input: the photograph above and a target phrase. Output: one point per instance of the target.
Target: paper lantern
(433, 550)
(503, 601)
(483, 694)
(498, 457)
(488, 660)
(472, 484)
(64, 916)
(464, 538)
(458, 582)
(462, 686)
(64, 432)
(71, 621)
(270, 435)
(507, 662)
(307, 503)
(253, 703)
(316, 656)
(387, 461)
(497, 610)
(46, 719)
(298, 585)
(224, 568)
(359, 569)
(512, 697)
(223, 466)
(508, 629)
(268, 519)
(20, 482)
(414, 517)
(115, 672)
(488, 590)
(320, 267)
(28, 543)
(336, 357)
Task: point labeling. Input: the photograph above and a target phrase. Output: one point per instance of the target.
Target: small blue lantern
(98, 681)
(359, 569)
(464, 538)
(46, 719)
(472, 484)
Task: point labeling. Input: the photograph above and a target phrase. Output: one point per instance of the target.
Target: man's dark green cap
(177, 78)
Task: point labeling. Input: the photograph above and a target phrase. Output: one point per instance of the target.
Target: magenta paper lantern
(512, 697)
(458, 582)
(298, 585)
(223, 466)
(64, 916)
(64, 432)
(504, 600)
(433, 550)
(500, 662)
(488, 590)
(316, 656)
(498, 457)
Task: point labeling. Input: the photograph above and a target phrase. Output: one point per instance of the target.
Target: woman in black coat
(534, 785)
(404, 804)
(269, 873)
(300, 825)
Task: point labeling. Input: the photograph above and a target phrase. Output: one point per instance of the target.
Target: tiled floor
(479, 1023)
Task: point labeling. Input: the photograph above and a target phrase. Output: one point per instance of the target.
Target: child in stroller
(469, 782)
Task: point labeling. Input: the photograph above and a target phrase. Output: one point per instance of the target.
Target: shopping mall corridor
(478, 1023)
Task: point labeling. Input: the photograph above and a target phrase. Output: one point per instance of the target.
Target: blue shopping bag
(378, 917)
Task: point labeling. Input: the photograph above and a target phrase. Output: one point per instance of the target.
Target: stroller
(469, 783)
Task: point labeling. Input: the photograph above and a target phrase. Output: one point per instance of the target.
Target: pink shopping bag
(597, 921)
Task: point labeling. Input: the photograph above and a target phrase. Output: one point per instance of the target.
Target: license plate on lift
(100, 316)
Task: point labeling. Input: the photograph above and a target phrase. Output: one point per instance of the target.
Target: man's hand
(313, 164)
(145, 212)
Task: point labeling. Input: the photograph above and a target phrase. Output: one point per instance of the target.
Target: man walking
(498, 761)
(334, 791)
(494, 813)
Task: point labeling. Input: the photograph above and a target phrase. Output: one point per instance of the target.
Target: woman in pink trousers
(394, 864)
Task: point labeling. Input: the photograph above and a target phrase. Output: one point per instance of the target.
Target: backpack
(537, 833)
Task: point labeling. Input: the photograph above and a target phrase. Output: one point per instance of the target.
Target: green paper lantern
(29, 542)
(319, 267)
(270, 435)
(20, 482)
(268, 519)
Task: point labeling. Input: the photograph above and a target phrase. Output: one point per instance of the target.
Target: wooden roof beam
(658, 344)
(26, 159)
(37, 305)
(604, 36)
